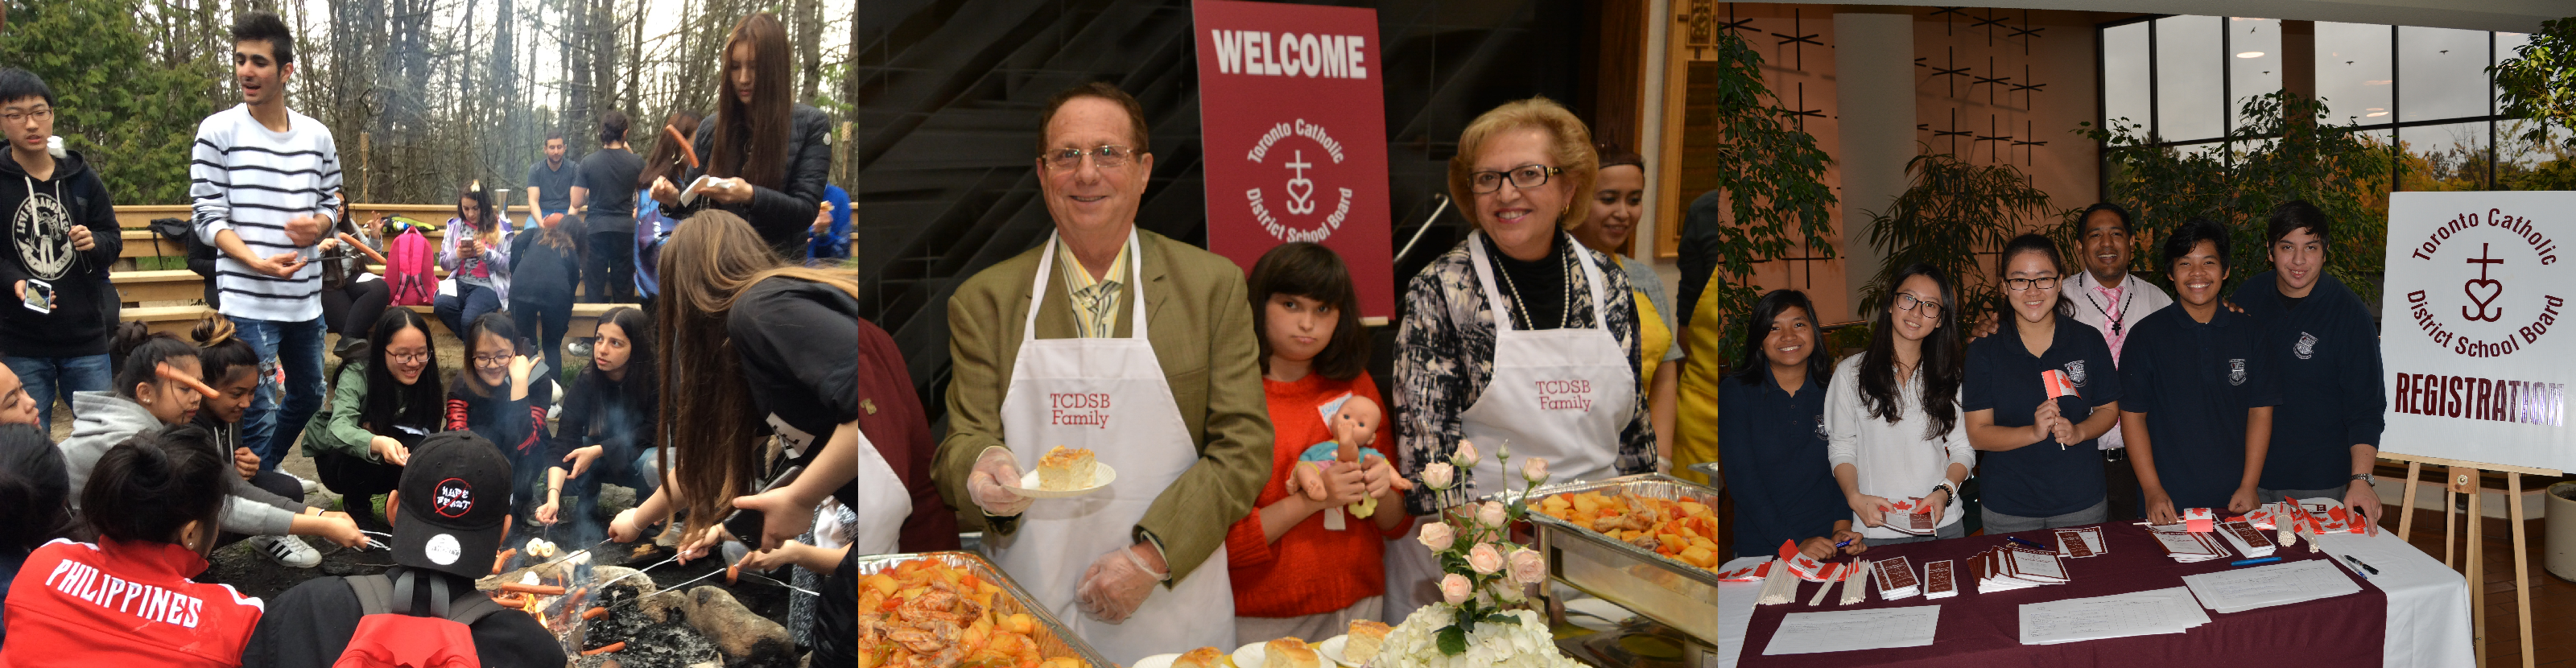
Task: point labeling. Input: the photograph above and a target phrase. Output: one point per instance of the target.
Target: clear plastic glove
(992, 468)
(1115, 585)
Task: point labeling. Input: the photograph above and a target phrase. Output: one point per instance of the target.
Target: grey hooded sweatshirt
(106, 420)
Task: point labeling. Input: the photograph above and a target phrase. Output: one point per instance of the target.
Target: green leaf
(1453, 641)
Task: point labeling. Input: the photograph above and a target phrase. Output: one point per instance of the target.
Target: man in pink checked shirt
(2112, 300)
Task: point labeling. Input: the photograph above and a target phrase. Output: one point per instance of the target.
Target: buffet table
(2413, 613)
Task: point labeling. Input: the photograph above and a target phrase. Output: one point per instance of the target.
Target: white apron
(1107, 395)
(883, 503)
(1561, 394)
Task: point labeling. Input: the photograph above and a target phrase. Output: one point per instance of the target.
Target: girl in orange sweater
(1294, 574)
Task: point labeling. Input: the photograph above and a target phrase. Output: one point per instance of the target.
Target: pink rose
(1527, 566)
(1437, 536)
(1438, 475)
(1534, 470)
(1484, 558)
(1455, 589)
(1491, 514)
(1466, 455)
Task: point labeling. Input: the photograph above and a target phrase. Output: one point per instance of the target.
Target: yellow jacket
(1202, 335)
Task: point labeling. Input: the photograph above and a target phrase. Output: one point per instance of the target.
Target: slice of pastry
(1066, 468)
(1365, 637)
(1204, 657)
(1290, 653)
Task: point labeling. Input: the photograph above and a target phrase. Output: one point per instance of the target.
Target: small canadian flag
(2200, 520)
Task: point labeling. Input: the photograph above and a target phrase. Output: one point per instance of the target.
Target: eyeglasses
(22, 117)
(491, 360)
(1907, 302)
(1523, 177)
(2020, 284)
(409, 358)
(1105, 157)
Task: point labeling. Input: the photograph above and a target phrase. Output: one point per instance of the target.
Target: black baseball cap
(455, 494)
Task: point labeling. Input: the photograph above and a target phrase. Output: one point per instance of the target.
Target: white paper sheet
(1843, 631)
(2155, 612)
(2264, 586)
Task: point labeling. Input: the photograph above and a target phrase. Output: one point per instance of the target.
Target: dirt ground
(255, 575)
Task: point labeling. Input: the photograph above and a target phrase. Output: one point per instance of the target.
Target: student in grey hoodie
(157, 386)
(57, 231)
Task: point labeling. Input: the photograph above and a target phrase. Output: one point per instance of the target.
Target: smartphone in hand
(40, 296)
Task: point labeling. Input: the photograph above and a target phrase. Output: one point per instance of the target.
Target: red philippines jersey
(122, 604)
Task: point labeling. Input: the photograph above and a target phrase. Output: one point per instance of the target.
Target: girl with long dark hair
(1771, 434)
(475, 253)
(1892, 416)
(2037, 394)
(609, 414)
(382, 404)
(767, 154)
(155, 500)
(736, 339)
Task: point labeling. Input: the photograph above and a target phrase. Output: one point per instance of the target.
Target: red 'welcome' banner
(1293, 111)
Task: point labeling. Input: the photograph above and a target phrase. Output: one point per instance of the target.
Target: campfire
(618, 617)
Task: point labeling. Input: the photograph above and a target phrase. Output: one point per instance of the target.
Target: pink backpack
(410, 270)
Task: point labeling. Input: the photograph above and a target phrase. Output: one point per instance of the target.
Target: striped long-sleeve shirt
(251, 180)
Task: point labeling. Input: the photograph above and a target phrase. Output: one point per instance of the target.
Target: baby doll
(1354, 423)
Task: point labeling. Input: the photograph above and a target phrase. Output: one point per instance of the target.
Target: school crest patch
(2236, 372)
(2075, 372)
(2307, 346)
(1820, 429)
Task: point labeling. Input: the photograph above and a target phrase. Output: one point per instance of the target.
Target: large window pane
(2189, 101)
(2124, 73)
(2444, 157)
(2353, 71)
(2254, 64)
(2441, 73)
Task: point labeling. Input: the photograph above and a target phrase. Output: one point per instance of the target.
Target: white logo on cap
(442, 549)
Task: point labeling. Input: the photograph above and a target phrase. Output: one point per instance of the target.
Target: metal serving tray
(1052, 638)
(1666, 590)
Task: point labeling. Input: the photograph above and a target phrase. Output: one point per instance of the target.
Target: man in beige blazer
(1093, 169)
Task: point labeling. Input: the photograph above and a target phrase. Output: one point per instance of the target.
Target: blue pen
(2250, 562)
(2032, 545)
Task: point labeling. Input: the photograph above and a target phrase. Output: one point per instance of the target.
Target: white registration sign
(2474, 326)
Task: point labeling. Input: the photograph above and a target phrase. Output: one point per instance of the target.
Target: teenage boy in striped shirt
(264, 181)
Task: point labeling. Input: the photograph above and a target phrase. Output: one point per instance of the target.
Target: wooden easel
(2463, 478)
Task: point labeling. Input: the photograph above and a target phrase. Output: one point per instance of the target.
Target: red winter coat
(122, 604)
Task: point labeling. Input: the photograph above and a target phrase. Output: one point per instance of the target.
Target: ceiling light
(2375, 114)
(2250, 54)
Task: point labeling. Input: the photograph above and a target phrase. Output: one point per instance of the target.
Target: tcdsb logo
(2490, 285)
(1286, 146)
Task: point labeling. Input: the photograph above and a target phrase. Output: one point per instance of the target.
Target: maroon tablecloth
(1984, 630)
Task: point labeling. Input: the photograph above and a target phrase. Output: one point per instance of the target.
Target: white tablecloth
(2428, 605)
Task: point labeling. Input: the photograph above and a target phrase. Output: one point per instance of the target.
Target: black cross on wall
(1945, 13)
(1954, 133)
(1998, 82)
(1993, 125)
(1990, 22)
(1953, 71)
(2030, 153)
(1799, 38)
(1801, 114)
(2026, 89)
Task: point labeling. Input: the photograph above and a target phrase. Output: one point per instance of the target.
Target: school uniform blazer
(1202, 335)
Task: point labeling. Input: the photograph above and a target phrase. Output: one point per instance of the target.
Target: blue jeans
(471, 301)
(49, 378)
(297, 347)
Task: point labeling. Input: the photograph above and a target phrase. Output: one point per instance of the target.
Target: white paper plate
(1156, 661)
(1028, 487)
(1252, 655)
(1331, 648)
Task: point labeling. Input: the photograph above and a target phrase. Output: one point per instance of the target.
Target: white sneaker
(287, 550)
(310, 487)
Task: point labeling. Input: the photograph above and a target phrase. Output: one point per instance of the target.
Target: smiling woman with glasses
(2037, 395)
(1892, 430)
(1520, 301)
(503, 396)
(382, 404)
